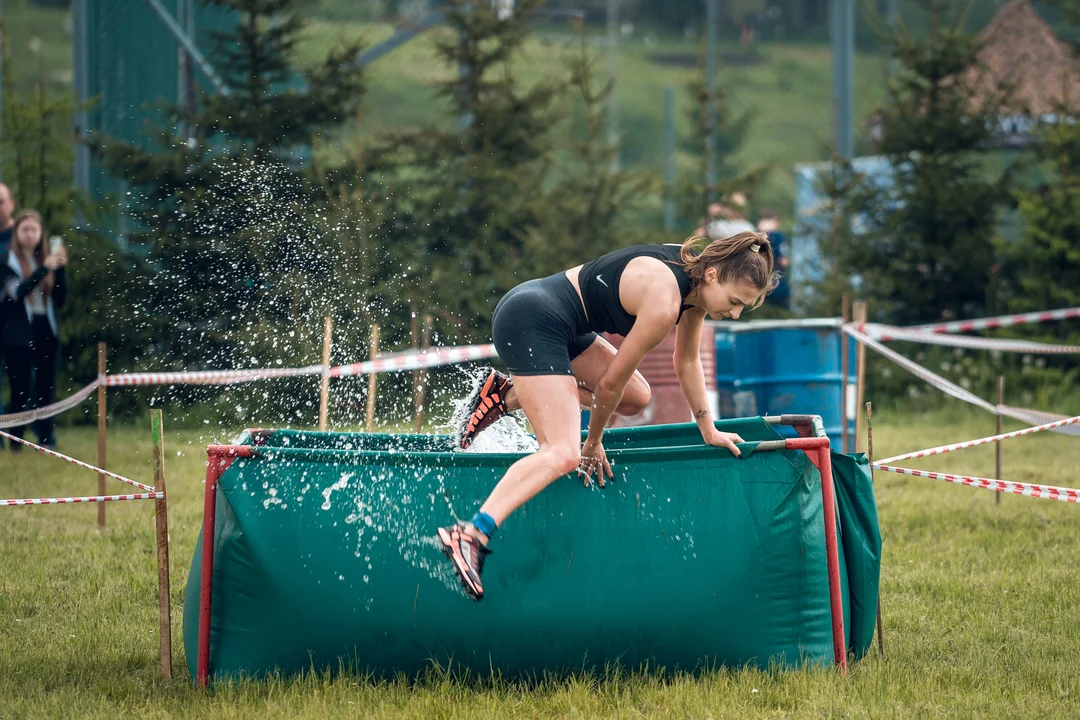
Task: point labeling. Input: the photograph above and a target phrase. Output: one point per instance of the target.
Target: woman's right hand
(57, 259)
(594, 458)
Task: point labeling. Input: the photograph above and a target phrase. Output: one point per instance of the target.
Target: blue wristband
(484, 523)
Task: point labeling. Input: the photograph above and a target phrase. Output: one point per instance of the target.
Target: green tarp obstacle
(318, 553)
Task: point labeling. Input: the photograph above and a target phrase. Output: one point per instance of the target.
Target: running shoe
(485, 405)
(467, 554)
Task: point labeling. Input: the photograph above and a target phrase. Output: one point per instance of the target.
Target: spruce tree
(35, 147)
(223, 197)
(731, 131)
(590, 209)
(927, 248)
(1042, 268)
(463, 200)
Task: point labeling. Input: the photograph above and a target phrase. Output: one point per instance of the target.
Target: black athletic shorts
(540, 326)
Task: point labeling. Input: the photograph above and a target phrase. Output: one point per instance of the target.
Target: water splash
(508, 434)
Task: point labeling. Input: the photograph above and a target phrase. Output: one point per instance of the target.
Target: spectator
(726, 219)
(32, 287)
(7, 207)
(770, 225)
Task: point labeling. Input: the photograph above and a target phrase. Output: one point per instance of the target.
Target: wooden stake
(870, 457)
(370, 424)
(102, 356)
(859, 314)
(161, 519)
(997, 445)
(420, 387)
(845, 440)
(414, 335)
(324, 389)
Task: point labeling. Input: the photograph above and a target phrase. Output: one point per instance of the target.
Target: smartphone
(55, 243)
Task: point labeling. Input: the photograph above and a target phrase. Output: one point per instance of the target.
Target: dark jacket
(15, 318)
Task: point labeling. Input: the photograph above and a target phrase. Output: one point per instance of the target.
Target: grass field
(979, 602)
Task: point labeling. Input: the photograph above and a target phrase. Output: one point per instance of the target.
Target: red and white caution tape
(90, 499)
(80, 463)
(402, 361)
(1038, 416)
(208, 377)
(25, 418)
(884, 333)
(1048, 492)
(415, 361)
(950, 388)
(962, 326)
(942, 449)
(947, 387)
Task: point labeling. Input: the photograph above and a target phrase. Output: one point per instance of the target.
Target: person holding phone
(32, 288)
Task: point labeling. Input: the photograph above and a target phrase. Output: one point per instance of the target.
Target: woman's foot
(467, 554)
(486, 405)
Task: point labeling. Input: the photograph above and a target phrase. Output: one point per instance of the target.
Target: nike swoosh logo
(600, 279)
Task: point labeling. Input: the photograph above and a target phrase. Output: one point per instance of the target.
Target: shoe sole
(476, 399)
(453, 553)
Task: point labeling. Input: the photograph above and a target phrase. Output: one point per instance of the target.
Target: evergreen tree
(35, 150)
(1043, 266)
(833, 232)
(463, 201)
(927, 248)
(731, 131)
(224, 203)
(591, 206)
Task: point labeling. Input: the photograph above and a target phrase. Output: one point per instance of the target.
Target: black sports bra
(599, 283)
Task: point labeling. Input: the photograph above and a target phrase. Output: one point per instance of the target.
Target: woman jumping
(545, 331)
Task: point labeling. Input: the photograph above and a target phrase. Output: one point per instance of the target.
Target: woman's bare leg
(551, 404)
(588, 368)
(591, 365)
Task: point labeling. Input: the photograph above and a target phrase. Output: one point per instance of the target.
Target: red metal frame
(220, 458)
(817, 450)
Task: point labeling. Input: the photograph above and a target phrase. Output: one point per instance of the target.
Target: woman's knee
(565, 457)
(636, 398)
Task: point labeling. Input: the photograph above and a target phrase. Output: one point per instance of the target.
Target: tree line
(249, 241)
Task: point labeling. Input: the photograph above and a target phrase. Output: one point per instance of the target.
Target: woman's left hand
(722, 439)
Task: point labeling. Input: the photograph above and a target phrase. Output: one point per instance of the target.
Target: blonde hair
(744, 257)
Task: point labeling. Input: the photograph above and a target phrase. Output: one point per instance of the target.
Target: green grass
(979, 606)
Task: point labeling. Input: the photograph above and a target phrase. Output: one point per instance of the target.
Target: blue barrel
(791, 369)
(726, 372)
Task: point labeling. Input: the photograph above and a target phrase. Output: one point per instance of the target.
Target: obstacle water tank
(317, 553)
(777, 367)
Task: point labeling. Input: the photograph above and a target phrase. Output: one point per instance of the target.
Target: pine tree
(1043, 266)
(927, 249)
(463, 201)
(833, 232)
(225, 204)
(591, 205)
(731, 131)
(35, 150)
